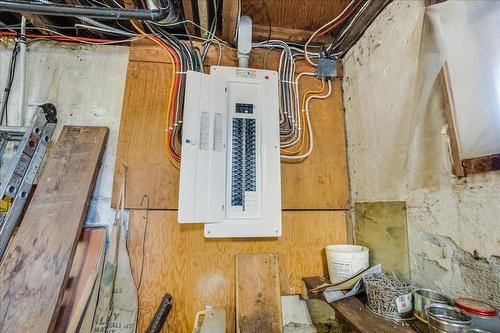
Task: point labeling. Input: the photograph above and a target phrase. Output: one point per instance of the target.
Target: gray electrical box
(327, 69)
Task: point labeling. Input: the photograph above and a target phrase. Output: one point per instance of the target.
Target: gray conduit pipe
(20, 6)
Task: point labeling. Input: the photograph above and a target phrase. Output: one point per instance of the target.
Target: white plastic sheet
(464, 35)
(470, 39)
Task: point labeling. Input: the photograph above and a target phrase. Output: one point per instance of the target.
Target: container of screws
(389, 297)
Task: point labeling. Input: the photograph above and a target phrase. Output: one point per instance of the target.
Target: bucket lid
(475, 307)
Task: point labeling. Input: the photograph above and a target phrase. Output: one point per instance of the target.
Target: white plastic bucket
(345, 261)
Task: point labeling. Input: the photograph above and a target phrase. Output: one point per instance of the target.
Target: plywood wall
(197, 271)
(279, 13)
(177, 258)
(322, 178)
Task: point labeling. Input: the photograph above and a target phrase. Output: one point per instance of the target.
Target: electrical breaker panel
(230, 161)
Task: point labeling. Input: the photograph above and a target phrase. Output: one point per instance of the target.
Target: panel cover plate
(230, 165)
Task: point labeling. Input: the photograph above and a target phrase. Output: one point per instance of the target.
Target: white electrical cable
(291, 120)
(22, 72)
(223, 42)
(235, 38)
(323, 27)
(289, 111)
(298, 125)
(109, 31)
(309, 127)
(341, 37)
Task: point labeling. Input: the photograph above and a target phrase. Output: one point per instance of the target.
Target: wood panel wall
(322, 178)
(277, 19)
(177, 258)
(284, 14)
(197, 271)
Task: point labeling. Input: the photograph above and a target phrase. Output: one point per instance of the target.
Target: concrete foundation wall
(454, 230)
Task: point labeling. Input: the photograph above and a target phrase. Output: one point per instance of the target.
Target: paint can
(484, 316)
(345, 261)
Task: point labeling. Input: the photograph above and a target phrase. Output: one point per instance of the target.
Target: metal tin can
(425, 297)
(447, 319)
(484, 316)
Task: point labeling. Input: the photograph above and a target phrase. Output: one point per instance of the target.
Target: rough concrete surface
(85, 83)
(453, 224)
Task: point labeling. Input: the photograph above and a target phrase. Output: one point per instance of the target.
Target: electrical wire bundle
(336, 22)
(8, 84)
(295, 126)
(333, 48)
(295, 122)
(184, 58)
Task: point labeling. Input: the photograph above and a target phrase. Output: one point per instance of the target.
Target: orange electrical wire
(172, 97)
(304, 131)
(61, 37)
(341, 19)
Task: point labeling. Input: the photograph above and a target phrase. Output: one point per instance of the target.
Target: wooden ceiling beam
(306, 15)
(261, 33)
(187, 6)
(229, 20)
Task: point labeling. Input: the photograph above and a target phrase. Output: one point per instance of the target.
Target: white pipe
(309, 126)
(244, 41)
(22, 72)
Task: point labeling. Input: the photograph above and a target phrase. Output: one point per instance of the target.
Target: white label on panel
(205, 131)
(218, 132)
(250, 201)
(246, 73)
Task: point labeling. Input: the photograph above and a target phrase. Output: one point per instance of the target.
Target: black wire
(144, 240)
(189, 35)
(268, 21)
(8, 84)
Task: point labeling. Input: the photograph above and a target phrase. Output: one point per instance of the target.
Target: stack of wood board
(34, 270)
(77, 306)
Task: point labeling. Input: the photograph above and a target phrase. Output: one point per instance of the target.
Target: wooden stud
(84, 272)
(204, 17)
(229, 20)
(187, 6)
(362, 23)
(448, 105)
(40, 22)
(481, 164)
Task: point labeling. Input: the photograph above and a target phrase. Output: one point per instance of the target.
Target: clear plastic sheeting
(464, 35)
(471, 43)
